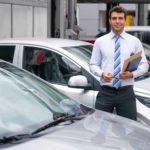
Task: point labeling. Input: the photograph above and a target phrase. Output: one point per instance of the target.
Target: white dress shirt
(102, 59)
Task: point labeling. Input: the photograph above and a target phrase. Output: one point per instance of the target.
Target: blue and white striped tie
(117, 63)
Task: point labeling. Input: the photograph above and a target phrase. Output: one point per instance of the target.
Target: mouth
(117, 26)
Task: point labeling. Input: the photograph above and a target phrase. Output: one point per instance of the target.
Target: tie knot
(116, 37)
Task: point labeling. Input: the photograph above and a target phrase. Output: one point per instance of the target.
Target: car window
(82, 52)
(135, 33)
(49, 65)
(7, 52)
(142, 35)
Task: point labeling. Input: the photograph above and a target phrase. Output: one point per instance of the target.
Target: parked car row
(35, 116)
(64, 64)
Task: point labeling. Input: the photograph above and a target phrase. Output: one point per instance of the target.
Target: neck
(117, 32)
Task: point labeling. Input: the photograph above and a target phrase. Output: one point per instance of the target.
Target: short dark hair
(117, 9)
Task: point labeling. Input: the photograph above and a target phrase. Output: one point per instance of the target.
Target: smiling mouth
(117, 26)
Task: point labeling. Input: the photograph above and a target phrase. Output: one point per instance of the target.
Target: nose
(117, 20)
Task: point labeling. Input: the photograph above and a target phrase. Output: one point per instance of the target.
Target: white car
(35, 116)
(142, 32)
(63, 63)
(137, 28)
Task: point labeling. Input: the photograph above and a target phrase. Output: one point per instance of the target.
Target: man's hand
(107, 77)
(125, 75)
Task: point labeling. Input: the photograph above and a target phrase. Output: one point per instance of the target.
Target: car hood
(99, 131)
(143, 84)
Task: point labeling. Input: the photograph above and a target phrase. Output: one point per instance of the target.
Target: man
(108, 55)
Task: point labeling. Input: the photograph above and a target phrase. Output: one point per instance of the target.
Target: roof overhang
(113, 1)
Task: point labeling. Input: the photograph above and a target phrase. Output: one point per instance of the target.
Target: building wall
(92, 17)
(23, 19)
(5, 25)
(88, 18)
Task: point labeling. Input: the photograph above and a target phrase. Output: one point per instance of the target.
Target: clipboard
(131, 63)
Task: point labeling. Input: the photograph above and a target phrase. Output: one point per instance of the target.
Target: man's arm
(142, 68)
(95, 64)
(95, 61)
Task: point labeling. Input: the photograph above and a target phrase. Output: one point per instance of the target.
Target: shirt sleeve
(143, 66)
(96, 59)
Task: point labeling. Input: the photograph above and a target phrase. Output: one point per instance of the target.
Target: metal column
(72, 32)
(55, 18)
(142, 14)
(62, 18)
(49, 18)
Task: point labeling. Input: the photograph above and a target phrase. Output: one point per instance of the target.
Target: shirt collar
(122, 35)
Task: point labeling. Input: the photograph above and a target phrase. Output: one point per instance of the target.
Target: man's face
(117, 22)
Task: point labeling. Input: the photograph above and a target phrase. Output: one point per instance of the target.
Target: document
(131, 63)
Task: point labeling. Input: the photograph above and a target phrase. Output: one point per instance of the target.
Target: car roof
(137, 28)
(56, 42)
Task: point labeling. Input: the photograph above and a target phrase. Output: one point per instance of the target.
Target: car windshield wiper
(13, 138)
(59, 118)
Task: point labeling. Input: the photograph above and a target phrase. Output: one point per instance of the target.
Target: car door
(57, 69)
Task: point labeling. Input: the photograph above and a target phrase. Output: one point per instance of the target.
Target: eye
(113, 18)
(121, 18)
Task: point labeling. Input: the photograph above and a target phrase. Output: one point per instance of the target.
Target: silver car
(35, 116)
(63, 63)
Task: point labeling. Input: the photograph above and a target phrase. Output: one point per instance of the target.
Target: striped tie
(117, 63)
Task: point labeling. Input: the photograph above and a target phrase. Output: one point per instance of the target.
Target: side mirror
(79, 81)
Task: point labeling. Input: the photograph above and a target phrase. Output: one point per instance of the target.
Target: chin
(116, 30)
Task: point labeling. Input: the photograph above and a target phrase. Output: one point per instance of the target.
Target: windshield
(27, 102)
(82, 52)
